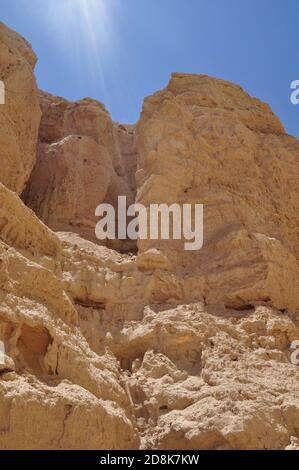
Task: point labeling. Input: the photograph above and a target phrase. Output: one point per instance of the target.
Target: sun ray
(88, 33)
(85, 27)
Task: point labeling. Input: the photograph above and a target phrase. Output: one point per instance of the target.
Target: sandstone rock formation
(18, 134)
(55, 392)
(80, 165)
(205, 140)
(159, 348)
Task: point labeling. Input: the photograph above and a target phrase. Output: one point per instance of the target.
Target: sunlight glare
(88, 19)
(84, 28)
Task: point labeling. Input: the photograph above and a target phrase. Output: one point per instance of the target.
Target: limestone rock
(199, 377)
(158, 347)
(213, 379)
(20, 115)
(70, 179)
(54, 392)
(205, 141)
(79, 139)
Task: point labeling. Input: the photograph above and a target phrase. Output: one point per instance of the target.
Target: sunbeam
(85, 27)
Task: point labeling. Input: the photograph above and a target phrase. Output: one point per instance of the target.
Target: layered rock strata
(146, 346)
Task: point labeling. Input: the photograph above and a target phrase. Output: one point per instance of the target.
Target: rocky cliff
(146, 345)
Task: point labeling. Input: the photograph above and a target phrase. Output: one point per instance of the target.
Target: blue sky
(119, 51)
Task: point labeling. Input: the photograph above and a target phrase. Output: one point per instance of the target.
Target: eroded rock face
(70, 178)
(55, 392)
(20, 116)
(198, 376)
(203, 140)
(81, 164)
(164, 348)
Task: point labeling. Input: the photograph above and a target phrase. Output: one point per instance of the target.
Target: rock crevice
(146, 345)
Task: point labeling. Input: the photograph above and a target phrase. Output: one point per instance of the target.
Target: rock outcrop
(206, 141)
(20, 116)
(147, 346)
(80, 165)
(55, 391)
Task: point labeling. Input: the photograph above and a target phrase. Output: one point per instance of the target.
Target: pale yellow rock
(206, 141)
(97, 167)
(20, 115)
(198, 376)
(155, 348)
(55, 392)
(213, 381)
(69, 181)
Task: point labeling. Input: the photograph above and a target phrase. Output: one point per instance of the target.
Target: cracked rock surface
(122, 345)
